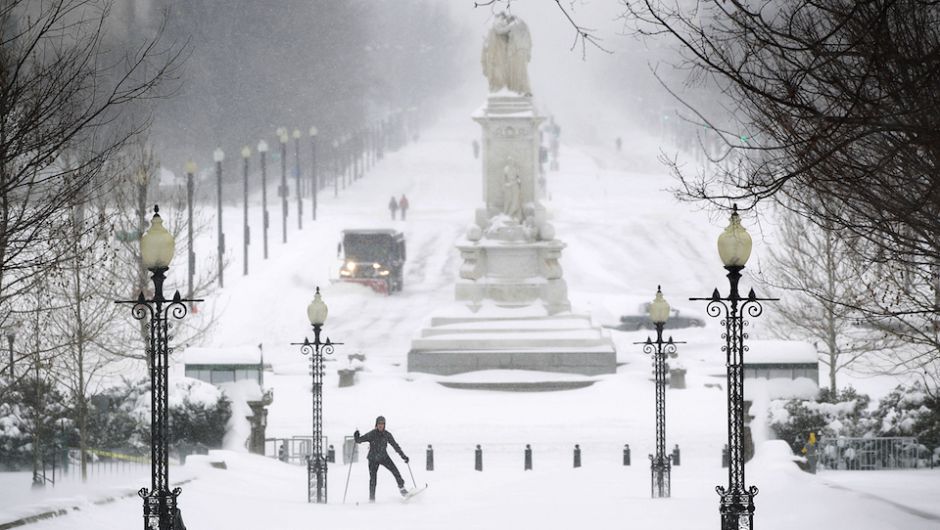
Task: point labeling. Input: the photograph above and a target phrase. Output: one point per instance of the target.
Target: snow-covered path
(625, 235)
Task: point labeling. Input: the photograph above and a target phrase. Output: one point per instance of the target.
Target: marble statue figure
(506, 53)
(512, 191)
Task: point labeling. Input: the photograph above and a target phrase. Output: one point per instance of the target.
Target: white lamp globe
(262, 146)
(157, 245)
(734, 244)
(246, 152)
(218, 155)
(659, 309)
(317, 310)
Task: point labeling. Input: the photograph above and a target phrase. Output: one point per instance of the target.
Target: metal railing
(872, 453)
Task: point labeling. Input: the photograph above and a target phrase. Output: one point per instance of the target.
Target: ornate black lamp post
(300, 196)
(734, 247)
(10, 332)
(316, 464)
(314, 180)
(263, 151)
(156, 251)
(336, 157)
(246, 233)
(218, 155)
(282, 189)
(660, 464)
(190, 189)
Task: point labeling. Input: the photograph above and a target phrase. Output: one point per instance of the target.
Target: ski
(413, 493)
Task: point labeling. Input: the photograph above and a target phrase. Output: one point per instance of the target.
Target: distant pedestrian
(476, 149)
(403, 206)
(393, 206)
(619, 143)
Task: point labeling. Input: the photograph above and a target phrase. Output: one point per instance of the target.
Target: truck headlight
(384, 273)
(350, 266)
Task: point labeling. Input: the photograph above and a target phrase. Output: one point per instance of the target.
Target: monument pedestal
(513, 274)
(512, 309)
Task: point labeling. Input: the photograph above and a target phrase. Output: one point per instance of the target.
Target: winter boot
(403, 491)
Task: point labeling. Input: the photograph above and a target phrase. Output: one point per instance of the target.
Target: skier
(379, 439)
(403, 206)
(393, 206)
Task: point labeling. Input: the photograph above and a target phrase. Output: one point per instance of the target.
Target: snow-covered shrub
(909, 410)
(831, 414)
(198, 413)
(118, 419)
(28, 408)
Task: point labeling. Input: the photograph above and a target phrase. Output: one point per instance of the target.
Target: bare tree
(835, 107)
(818, 279)
(86, 318)
(61, 90)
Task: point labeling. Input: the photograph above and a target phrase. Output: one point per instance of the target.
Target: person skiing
(379, 439)
(403, 206)
(393, 206)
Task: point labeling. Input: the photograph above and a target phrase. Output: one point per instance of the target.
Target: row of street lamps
(737, 500)
(349, 157)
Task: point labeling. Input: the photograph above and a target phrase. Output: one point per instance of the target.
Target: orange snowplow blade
(379, 286)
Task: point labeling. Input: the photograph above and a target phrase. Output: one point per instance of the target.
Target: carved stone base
(513, 274)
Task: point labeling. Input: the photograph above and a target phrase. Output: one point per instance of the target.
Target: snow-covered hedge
(842, 413)
(28, 408)
(120, 418)
(908, 410)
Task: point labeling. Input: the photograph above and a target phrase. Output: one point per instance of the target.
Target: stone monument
(513, 309)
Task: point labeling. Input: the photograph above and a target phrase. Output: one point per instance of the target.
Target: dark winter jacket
(378, 444)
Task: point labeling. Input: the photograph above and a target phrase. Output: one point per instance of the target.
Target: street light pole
(314, 179)
(316, 464)
(190, 170)
(357, 156)
(246, 234)
(218, 155)
(297, 190)
(734, 247)
(336, 159)
(282, 190)
(660, 463)
(263, 149)
(11, 337)
(156, 250)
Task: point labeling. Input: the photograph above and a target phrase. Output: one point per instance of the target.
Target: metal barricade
(871, 453)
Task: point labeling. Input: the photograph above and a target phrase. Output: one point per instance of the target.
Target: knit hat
(380, 419)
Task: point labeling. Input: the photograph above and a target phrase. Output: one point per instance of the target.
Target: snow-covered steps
(468, 342)
(515, 381)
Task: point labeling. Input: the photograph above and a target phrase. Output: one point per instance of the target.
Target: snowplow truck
(374, 258)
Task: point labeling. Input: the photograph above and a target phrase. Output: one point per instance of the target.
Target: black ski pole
(412, 475)
(348, 474)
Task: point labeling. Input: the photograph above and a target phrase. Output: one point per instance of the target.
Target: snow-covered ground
(625, 236)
